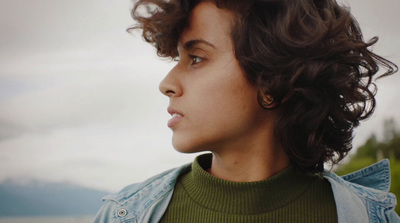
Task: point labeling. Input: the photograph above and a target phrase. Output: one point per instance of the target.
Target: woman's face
(212, 104)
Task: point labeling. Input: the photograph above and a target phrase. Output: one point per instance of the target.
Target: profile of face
(213, 106)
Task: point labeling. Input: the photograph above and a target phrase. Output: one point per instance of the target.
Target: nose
(170, 85)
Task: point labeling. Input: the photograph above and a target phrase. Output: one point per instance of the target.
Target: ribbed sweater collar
(243, 197)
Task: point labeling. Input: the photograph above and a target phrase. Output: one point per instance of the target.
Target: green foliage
(354, 164)
(395, 176)
(373, 151)
(368, 150)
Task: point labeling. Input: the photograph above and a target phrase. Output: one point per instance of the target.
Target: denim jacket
(360, 197)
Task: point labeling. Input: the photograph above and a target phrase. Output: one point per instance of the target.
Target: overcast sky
(79, 99)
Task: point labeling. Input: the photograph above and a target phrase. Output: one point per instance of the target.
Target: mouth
(176, 117)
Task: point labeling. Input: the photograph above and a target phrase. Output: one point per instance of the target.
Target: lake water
(85, 219)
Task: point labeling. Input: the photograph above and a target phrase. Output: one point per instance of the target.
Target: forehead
(210, 23)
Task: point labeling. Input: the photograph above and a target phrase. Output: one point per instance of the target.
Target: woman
(273, 89)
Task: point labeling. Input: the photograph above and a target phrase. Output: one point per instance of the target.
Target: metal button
(122, 213)
(381, 197)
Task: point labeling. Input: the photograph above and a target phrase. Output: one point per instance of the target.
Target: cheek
(225, 90)
(230, 103)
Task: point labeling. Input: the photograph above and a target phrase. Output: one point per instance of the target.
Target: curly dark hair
(307, 56)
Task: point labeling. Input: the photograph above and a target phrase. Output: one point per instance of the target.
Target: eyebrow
(192, 43)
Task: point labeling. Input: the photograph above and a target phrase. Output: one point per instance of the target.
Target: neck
(248, 165)
(255, 156)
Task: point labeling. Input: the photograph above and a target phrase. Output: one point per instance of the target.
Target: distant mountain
(48, 199)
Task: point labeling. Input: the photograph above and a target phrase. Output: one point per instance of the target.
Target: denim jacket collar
(360, 197)
(363, 196)
(146, 201)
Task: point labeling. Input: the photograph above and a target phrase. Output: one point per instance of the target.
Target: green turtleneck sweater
(290, 196)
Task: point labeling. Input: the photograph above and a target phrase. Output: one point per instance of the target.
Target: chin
(186, 146)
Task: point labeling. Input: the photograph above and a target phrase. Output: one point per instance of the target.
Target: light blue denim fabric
(363, 196)
(360, 197)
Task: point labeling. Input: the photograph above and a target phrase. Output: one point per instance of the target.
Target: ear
(266, 100)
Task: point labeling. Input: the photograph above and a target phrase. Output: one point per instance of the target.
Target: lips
(176, 117)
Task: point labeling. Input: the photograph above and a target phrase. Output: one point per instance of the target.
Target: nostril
(170, 92)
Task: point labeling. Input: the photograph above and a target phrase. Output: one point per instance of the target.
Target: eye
(196, 59)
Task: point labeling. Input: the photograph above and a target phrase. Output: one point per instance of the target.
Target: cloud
(103, 156)
(83, 101)
(79, 96)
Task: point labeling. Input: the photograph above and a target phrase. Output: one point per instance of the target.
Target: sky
(79, 98)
